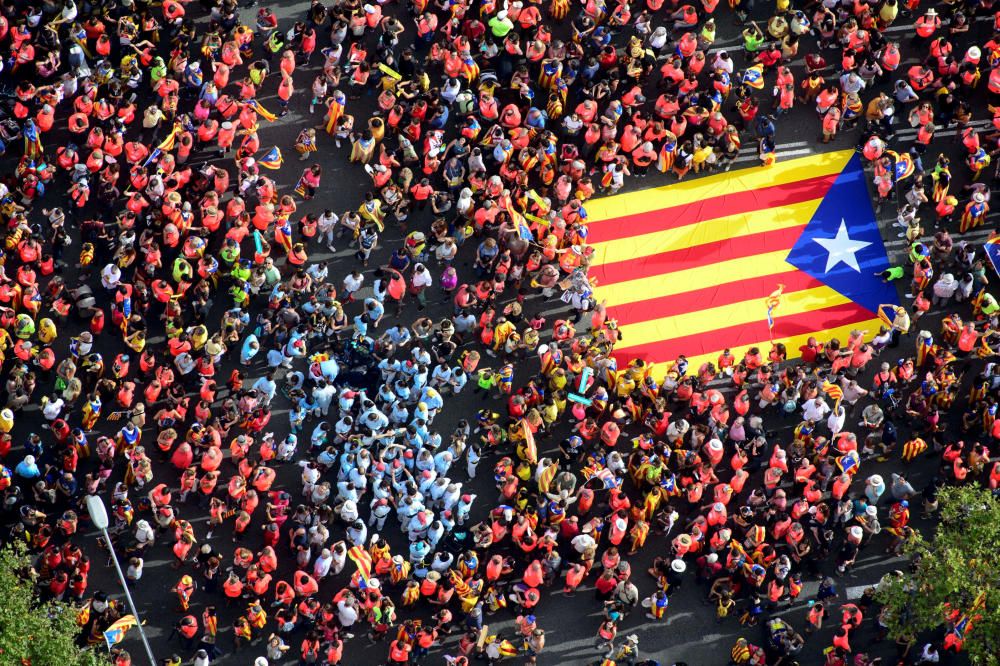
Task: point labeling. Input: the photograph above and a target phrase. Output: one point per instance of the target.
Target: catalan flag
(684, 267)
(470, 70)
(335, 109)
(32, 141)
(602, 474)
(115, 633)
(992, 249)
(462, 589)
(362, 560)
(272, 159)
(925, 345)
(261, 111)
(523, 230)
(834, 391)
(754, 76)
(772, 302)
(530, 448)
(913, 448)
(168, 144)
(903, 167)
(547, 476)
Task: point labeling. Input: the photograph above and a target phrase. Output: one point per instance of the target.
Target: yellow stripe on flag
(683, 193)
(725, 316)
(679, 282)
(706, 231)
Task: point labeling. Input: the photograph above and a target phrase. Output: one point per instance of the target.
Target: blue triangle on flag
(842, 245)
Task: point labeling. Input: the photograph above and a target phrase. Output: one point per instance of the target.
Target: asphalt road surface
(690, 632)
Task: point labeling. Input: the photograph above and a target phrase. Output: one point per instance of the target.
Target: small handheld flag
(772, 302)
(834, 391)
(904, 167)
(261, 111)
(272, 160)
(363, 560)
(754, 76)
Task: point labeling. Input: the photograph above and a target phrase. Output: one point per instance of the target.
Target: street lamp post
(99, 517)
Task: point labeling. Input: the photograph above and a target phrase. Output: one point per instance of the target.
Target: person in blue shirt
(27, 469)
(375, 311)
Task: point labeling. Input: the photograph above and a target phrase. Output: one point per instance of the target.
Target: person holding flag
(771, 303)
(117, 630)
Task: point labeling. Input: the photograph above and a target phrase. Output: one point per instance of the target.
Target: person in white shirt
(572, 124)
(421, 280)
(583, 542)
(52, 407)
(144, 534)
(835, 422)
(134, 571)
(326, 224)
(347, 613)
(321, 568)
(815, 410)
(458, 380)
(111, 276)
(446, 251)
(723, 61)
(352, 283)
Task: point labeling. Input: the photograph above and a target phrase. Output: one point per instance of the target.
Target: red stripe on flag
(671, 261)
(746, 334)
(712, 297)
(709, 209)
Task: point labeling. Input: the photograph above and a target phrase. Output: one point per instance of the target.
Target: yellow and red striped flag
(462, 588)
(772, 302)
(530, 448)
(684, 267)
(363, 560)
(834, 391)
(546, 477)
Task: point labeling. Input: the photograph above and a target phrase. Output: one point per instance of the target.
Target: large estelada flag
(689, 268)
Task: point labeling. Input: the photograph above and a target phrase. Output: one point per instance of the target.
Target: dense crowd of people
(484, 128)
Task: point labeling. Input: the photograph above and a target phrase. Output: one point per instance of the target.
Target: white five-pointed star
(842, 249)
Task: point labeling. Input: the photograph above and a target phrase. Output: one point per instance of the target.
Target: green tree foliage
(33, 633)
(950, 573)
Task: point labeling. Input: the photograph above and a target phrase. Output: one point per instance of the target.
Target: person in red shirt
(422, 193)
(810, 350)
